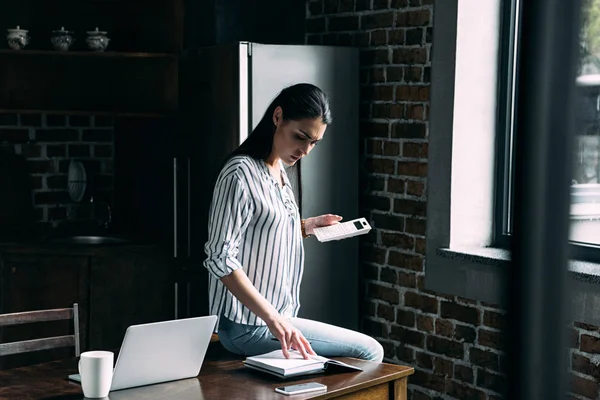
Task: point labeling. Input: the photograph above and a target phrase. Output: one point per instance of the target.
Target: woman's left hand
(322, 220)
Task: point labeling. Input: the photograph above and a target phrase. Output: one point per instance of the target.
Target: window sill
(480, 273)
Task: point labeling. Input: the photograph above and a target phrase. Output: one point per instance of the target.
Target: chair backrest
(27, 317)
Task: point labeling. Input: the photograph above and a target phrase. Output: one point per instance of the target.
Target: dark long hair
(299, 101)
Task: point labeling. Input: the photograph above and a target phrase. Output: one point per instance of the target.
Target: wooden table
(222, 377)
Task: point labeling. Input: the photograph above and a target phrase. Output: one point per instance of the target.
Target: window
(585, 189)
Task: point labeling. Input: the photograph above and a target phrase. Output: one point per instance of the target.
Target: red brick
(56, 150)
(361, 39)
(315, 8)
(376, 183)
(347, 23)
(407, 93)
(463, 373)
(590, 344)
(399, 3)
(494, 319)
(36, 182)
(56, 182)
(14, 135)
(56, 120)
(413, 74)
(380, 165)
(338, 39)
(443, 327)
(31, 120)
(425, 323)
(410, 207)
(371, 57)
(460, 391)
(414, 36)
(31, 150)
(384, 293)
(97, 135)
(377, 202)
(396, 37)
(389, 275)
(574, 338)
(363, 5)
(377, 93)
(426, 304)
(443, 367)
(582, 364)
(388, 222)
(408, 261)
(378, 37)
(386, 312)
(445, 347)
(397, 240)
(415, 188)
(330, 6)
(395, 74)
(405, 354)
(419, 245)
(52, 198)
(409, 56)
(410, 168)
(465, 334)
(377, 75)
(375, 328)
(491, 381)
(424, 360)
(429, 381)
(405, 318)
(458, 312)
(407, 336)
(389, 349)
(373, 254)
(408, 130)
(391, 148)
(484, 358)
(407, 280)
(381, 4)
(368, 308)
(79, 150)
(79, 120)
(395, 185)
(379, 20)
(40, 167)
(415, 150)
(492, 339)
(584, 387)
(374, 129)
(415, 226)
(412, 18)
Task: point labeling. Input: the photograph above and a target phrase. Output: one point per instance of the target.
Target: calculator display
(358, 224)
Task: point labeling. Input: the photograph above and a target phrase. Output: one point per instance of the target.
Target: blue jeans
(326, 340)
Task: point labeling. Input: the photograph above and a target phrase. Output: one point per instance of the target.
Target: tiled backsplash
(49, 142)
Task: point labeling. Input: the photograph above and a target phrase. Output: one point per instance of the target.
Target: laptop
(161, 352)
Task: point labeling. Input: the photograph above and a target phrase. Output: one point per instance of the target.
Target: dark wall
(211, 22)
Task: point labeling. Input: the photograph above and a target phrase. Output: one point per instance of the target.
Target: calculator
(342, 230)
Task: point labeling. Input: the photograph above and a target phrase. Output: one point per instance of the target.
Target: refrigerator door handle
(175, 207)
(189, 206)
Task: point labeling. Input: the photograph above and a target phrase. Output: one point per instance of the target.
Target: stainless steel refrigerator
(224, 91)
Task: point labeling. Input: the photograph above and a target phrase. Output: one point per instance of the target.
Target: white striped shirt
(254, 224)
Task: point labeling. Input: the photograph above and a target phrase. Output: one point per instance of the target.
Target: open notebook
(275, 363)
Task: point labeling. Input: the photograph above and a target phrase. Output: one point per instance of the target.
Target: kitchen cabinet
(115, 287)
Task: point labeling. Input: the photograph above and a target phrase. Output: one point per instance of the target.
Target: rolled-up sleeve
(230, 213)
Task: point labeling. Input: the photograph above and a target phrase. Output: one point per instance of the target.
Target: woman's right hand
(289, 337)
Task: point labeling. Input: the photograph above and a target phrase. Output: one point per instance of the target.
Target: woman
(255, 252)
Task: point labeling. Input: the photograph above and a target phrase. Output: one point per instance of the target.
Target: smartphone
(301, 388)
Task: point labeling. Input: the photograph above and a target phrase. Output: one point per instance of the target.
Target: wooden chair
(44, 343)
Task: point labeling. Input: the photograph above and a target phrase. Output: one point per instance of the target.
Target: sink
(99, 240)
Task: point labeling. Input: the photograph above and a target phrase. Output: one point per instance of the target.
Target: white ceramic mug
(96, 370)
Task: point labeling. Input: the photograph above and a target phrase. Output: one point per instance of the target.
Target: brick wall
(48, 143)
(456, 345)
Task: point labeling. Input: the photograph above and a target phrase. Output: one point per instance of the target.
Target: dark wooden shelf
(140, 114)
(108, 54)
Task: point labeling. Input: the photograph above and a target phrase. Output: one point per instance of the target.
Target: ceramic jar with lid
(62, 39)
(17, 38)
(97, 40)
